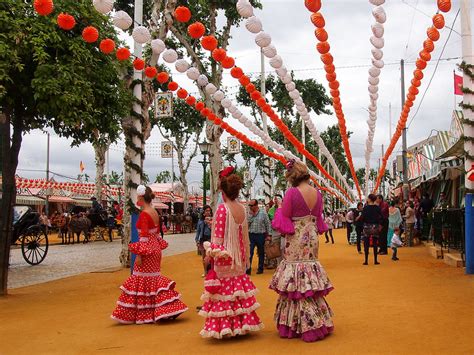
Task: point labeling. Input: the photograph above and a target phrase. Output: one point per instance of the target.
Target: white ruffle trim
(150, 320)
(230, 312)
(135, 293)
(212, 283)
(206, 296)
(227, 331)
(131, 305)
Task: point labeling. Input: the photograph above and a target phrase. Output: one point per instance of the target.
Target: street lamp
(204, 147)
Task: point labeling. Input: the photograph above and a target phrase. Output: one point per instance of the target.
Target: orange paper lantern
(228, 62)
(438, 21)
(255, 95)
(139, 64)
(250, 88)
(330, 76)
(90, 34)
(162, 77)
(418, 74)
(428, 45)
(425, 56)
(415, 82)
(199, 105)
(196, 30)
(43, 7)
(318, 20)
(107, 46)
(182, 14)
(323, 47)
(244, 80)
(173, 86)
(334, 93)
(236, 72)
(420, 64)
(321, 34)
(409, 103)
(150, 72)
(66, 21)
(313, 5)
(219, 54)
(182, 93)
(209, 42)
(433, 34)
(327, 58)
(330, 68)
(334, 85)
(444, 5)
(122, 54)
(411, 97)
(261, 102)
(413, 90)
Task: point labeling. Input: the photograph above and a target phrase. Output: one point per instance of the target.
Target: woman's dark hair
(206, 207)
(149, 195)
(393, 203)
(372, 198)
(359, 204)
(231, 185)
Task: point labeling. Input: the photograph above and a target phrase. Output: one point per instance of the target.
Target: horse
(77, 225)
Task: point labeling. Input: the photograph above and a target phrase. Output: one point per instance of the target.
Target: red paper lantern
(173, 86)
(321, 34)
(425, 56)
(199, 105)
(334, 93)
(411, 97)
(150, 72)
(433, 34)
(413, 90)
(90, 34)
(250, 88)
(255, 95)
(196, 30)
(43, 7)
(182, 93)
(330, 69)
(409, 103)
(107, 46)
(418, 74)
(228, 62)
(330, 76)
(323, 47)
(209, 42)
(261, 102)
(225, 125)
(139, 64)
(122, 54)
(191, 100)
(318, 20)
(444, 5)
(244, 80)
(334, 85)
(428, 45)
(236, 72)
(206, 112)
(162, 77)
(415, 82)
(336, 100)
(438, 21)
(420, 64)
(182, 14)
(65, 21)
(313, 5)
(327, 58)
(219, 54)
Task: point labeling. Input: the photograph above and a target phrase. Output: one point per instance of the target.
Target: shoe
(395, 259)
(332, 243)
(203, 275)
(376, 263)
(366, 263)
(359, 252)
(249, 272)
(382, 253)
(259, 272)
(327, 241)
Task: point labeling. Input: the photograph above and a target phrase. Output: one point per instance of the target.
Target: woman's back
(372, 214)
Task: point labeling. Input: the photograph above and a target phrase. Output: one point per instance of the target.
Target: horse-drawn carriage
(30, 234)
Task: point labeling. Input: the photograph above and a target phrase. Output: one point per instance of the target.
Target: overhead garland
(433, 35)
(323, 48)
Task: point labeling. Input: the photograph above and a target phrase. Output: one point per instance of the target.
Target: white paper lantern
(373, 81)
(202, 80)
(232, 109)
(103, 6)
(263, 39)
(379, 14)
(286, 79)
(122, 20)
(192, 73)
(374, 72)
(276, 62)
(290, 86)
(282, 71)
(226, 103)
(373, 89)
(377, 53)
(241, 118)
(158, 46)
(170, 56)
(294, 94)
(378, 63)
(211, 88)
(181, 65)
(248, 124)
(299, 101)
(377, 30)
(218, 95)
(377, 42)
(244, 8)
(374, 96)
(269, 51)
(377, 2)
(372, 108)
(253, 24)
(141, 34)
(237, 115)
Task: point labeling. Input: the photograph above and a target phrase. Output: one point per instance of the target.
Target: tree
(332, 139)
(51, 78)
(163, 176)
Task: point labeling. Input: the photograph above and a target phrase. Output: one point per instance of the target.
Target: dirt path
(415, 306)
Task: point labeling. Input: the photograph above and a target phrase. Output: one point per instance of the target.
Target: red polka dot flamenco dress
(147, 296)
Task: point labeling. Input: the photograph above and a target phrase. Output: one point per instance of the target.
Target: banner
(164, 104)
(233, 145)
(166, 149)
(457, 84)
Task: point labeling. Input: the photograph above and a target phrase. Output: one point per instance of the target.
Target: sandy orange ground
(418, 305)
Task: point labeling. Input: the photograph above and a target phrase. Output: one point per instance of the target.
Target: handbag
(272, 250)
(211, 282)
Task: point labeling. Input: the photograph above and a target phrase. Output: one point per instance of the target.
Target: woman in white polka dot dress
(147, 296)
(230, 304)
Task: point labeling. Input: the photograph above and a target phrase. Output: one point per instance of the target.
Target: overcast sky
(287, 21)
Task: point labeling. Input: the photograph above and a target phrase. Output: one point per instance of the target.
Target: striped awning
(30, 200)
(83, 203)
(452, 163)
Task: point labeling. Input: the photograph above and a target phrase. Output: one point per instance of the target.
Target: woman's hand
(138, 260)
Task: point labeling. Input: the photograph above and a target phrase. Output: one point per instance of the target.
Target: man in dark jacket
(383, 234)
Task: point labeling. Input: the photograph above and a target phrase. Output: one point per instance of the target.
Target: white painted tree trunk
(124, 252)
(99, 151)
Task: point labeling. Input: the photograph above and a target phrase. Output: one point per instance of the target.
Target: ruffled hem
(245, 329)
(229, 312)
(145, 306)
(308, 336)
(296, 295)
(150, 320)
(206, 296)
(154, 286)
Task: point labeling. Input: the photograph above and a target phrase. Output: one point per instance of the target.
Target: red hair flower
(196, 30)
(107, 46)
(182, 14)
(162, 77)
(226, 172)
(122, 54)
(139, 64)
(66, 21)
(90, 34)
(43, 7)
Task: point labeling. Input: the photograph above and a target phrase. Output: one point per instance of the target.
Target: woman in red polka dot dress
(147, 296)
(229, 297)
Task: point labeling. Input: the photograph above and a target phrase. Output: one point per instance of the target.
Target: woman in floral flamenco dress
(300, 280)
(147, 296)
(229, 297)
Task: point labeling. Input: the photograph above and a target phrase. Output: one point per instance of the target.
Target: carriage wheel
(34, 246)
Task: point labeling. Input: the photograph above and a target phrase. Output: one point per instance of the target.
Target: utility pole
(47, 175)
(303, 137)
(404, 136)
(267, 184)
(468, 100)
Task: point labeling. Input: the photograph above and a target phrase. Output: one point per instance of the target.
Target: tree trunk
(126, 220)
(182, 177)
(100, 151)
(10, 149)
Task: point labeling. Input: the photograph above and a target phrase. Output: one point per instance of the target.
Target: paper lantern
(210, 88)
(182, 14)
(226, 103)
(377, 53)
(173, 86)
(263, 39)
(425, 56)
(65, 21)
(209, 43)
(199, 105)
(191, 100)
(413, 90)
(438, 21)
(377, 2)
(373, 89)
(162, 77)
(418, 74)
(157, 46)
(444, 5)
(170, 56)
(374, 72)
(228, 62)
(290, 86)
(196, 30)
(122, 20)
(250, 88)
(334, 85)
(433, 34)
(276, 62)
(139, 64)
(411, 97)
(378, 63)
(103, 6)
(377, 42)
(294, 94)
(321, 34)
(416, 82)
(420, 64)
(323, 47)
(239, 116)
(253, 24)
(287, 79)
(244, 8)
(43, 7)
(219, 54)
(331, 76)
(327, 58)
(182, 93)
(379, 14)
(236, 72)
(181, 65)
(90, 34)
(330, 68)
(377, 30)
(318, 20)
(255, 95)
(141, 34)
(269, 51)
(150, 72)
(202, 80)
(107, 46)
(192, 73)
(218, 95)
(373, 80)
(428, 45)
(313, 5)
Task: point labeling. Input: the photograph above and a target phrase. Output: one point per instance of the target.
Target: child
(396, 242)
(330, 223)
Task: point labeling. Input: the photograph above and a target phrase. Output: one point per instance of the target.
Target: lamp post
(204, 147)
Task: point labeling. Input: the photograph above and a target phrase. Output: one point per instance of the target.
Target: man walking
(349, 222)
(259, 230)
(383, 234)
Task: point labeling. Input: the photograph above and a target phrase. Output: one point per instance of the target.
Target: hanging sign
(166, 149)
(233, 145)
(246, 175)
(271, 164)
(164, 104)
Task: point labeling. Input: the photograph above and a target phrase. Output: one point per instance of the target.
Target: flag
(457, 84)
(81, 166)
